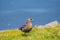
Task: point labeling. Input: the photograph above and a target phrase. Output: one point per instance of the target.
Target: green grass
(35, 34)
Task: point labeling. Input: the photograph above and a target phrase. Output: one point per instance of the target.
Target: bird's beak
(32, 20)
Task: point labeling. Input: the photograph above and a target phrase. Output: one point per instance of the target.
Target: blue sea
(13, 13)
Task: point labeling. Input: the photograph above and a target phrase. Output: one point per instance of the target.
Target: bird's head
(29, 20)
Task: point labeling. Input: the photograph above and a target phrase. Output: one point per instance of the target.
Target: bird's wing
(22, 27)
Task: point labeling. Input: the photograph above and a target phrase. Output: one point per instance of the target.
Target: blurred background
(13, 13)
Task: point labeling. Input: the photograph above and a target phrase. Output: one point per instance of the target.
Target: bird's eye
(31, 19)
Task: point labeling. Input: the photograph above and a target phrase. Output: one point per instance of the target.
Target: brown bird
(27, 27)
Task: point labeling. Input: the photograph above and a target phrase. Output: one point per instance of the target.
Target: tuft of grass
(35, 34)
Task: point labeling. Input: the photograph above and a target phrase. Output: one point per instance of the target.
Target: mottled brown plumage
(27, 27)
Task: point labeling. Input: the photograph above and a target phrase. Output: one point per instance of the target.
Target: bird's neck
(29, 23)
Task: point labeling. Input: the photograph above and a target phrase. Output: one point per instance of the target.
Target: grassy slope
(35, 34)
